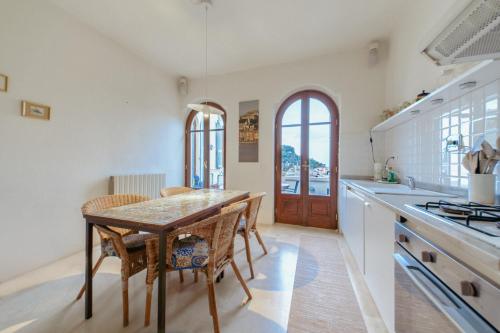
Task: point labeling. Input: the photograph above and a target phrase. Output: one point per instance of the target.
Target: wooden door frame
(206, 146)
(304, 95)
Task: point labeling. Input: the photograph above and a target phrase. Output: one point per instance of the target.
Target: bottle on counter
(391, 175)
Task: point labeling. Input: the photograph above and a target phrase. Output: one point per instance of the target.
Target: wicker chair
(128, 245)
(165, 192)
(248, 224)
(207, 246)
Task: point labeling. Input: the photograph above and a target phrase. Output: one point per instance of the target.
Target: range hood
(472, 36)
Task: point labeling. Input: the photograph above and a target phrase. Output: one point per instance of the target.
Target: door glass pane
(318, 112)
(290, 160)
(196, 159)
(197, 123)
(216, 171)
(216, 121)
(292, 114)
(319, 160)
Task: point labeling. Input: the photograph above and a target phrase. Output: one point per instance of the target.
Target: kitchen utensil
(483, 161)
(474, 164)
(466, 162)
(487, 149)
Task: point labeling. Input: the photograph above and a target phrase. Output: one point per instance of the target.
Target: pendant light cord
(206, 54)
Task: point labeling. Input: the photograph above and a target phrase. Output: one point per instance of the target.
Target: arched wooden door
(306, 160)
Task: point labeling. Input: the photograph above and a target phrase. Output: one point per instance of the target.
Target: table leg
(88, 269)
(161, 283)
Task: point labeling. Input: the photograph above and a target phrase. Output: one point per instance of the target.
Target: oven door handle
(444, 300)
(411, 271)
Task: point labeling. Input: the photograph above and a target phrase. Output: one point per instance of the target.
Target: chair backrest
(253, 209)
(225, 231)
(110, 201)
(165, 192)
(219, 231)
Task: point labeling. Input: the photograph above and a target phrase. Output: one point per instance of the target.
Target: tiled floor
(43, 300)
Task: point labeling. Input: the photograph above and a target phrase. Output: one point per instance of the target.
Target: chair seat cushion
(137, 241)
(189, 253)
(133, 242)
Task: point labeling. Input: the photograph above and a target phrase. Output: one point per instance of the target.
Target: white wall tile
(420, 144)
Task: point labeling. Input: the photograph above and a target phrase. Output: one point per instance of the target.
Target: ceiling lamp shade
(205, 108)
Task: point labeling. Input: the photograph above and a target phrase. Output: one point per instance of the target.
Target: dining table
(159, 216)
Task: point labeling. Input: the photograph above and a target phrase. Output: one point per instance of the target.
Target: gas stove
(482, 218)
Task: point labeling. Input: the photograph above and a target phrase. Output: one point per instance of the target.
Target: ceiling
(242, 34)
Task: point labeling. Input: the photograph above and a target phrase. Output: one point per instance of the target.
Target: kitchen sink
(399, 189)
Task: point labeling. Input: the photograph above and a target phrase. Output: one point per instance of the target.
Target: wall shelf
(482, 74)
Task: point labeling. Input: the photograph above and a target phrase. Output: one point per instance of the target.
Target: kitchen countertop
(474, 249)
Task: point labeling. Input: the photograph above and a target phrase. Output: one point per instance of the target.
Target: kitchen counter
(480, 252)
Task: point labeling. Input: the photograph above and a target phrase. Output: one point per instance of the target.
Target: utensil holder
(482, 188)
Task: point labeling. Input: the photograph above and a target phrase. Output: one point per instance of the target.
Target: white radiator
(149, 185)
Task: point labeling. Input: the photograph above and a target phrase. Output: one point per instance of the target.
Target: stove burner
(471, 215)
(453, 209)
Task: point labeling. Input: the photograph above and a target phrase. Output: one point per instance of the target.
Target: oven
(435, 293)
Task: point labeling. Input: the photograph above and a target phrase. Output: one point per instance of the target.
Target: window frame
(206, 146)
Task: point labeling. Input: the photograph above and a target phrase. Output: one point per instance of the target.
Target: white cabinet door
(379, 262)
(353, 226)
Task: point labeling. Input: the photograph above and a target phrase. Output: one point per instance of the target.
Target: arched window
(206, 149)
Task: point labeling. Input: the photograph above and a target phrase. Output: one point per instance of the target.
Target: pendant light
(204, 107)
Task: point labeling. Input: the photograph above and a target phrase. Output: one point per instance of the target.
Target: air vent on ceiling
(474, 35)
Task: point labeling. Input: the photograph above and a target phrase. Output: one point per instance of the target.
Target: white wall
(408, 70)
(112, 114)
(357, 89)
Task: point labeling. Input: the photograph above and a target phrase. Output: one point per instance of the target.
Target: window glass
(319, 159)
(216, 170)
(290, 160)
(216, 121)
(318, 112)
(292, 114)
(197, 160)
(197, 124)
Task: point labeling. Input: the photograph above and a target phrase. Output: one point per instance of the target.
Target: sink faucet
(411, 182)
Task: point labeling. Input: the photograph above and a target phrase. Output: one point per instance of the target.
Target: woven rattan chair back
(165, 192)
(252, 210)
(110, 201)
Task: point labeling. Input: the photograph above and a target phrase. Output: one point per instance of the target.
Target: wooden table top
(169, 212)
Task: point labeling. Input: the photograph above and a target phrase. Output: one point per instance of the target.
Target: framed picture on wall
(4, 82)
(34, 110)
(249, 131)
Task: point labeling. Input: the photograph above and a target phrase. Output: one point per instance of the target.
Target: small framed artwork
(4, 83)
(249, 131)
(37, 111)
